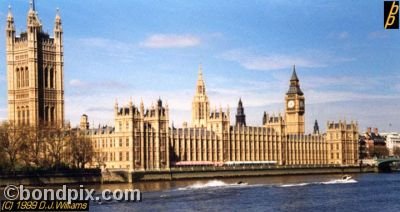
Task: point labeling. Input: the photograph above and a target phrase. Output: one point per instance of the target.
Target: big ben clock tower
(295, 106)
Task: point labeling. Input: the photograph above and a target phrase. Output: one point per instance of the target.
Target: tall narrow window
(23, 115)
(26, 77)
(17, 73)
(46, 76)
(52, 115)
(22, 78)
(27, 114)
(51, 78)
(19, 116)
(54, 78)
(46, 114)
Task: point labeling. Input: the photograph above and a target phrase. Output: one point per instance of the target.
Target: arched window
(23, 115)
(26, 77)
(46, 114)
(17, 73)
(51, 78)
(52, 113)
(27, 114)
(46, 76)
(55, 78)
(21, 78)
(19, 116)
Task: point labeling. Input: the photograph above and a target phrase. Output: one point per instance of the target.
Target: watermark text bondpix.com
(19, 192)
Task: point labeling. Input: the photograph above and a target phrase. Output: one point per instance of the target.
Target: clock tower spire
(295, 106)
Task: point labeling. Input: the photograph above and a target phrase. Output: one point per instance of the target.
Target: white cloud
(378, 35)
(98, 42)
(76, 83)
(101, 85)
(276, 61)
(269, 62)
(171, 41)
(96, 46)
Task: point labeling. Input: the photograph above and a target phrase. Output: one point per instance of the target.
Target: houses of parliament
(142, 139)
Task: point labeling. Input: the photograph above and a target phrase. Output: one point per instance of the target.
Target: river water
(365, 192)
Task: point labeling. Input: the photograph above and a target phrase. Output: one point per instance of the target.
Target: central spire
(200, 76)
(200, 104)
(201, 88)
(9, 14)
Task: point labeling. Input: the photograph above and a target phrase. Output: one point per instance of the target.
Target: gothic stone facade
(142, 139)
(35, 72)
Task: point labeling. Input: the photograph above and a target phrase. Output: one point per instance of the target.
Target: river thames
(364, 192)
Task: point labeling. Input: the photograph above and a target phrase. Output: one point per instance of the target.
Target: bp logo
(391, 14)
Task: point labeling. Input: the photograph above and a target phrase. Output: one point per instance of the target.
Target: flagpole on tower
(33, 5)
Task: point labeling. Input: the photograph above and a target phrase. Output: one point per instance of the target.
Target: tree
(81, 150)
(37, 141)
(381, 151)
(3, 162)
(56, 142)
(13, 141)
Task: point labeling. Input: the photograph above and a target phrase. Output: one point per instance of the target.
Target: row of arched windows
(22, 77)
(49, 78)
(23, 115)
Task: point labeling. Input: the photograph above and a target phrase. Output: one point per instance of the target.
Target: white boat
(346, 177)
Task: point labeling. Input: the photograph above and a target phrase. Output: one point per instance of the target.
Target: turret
(264, 120)
(141, 108)
(167, 110)
(33, 21)
(240, 116)
(316, 128)
(84, 123)
(58, 28)
(10, 28)
(116, 107)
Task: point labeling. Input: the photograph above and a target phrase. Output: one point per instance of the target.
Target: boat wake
(339, 181)
(294, 185)
(220, 184)
(212, 184)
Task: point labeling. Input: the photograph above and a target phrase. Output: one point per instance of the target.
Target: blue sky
(347, 63)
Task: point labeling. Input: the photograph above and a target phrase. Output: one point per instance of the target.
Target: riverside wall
(52, 178)
(175, 173)
(221, 172)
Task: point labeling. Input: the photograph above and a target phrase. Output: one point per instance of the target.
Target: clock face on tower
(290, 104)
(302, 104)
